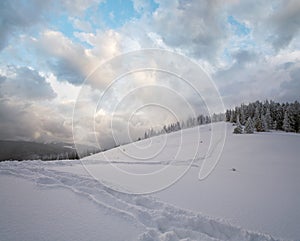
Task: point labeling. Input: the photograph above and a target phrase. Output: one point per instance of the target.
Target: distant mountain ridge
(26, 150)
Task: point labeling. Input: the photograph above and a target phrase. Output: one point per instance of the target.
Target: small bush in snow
(238, 130)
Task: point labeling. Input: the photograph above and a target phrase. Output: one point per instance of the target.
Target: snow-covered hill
(61, 201)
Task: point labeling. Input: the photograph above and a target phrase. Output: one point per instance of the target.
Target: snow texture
(159, 220)
(144, 217)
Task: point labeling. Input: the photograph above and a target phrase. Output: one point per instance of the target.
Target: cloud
(21, 120)
(25, 84)
(285, 23)
(16, 122)
(35, 121)
(258, 77)
(28, 107)
(194, 26)
(18, 15)
(243, 57)
(290, 88)
(273, 22)
(78, 7)
(249, 47)
(72, 62)
(67, 60)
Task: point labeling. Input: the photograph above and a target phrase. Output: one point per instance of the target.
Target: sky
(249, 49)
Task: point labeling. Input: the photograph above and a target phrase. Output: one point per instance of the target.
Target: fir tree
(264, 125)
(257, 120)
(275, 125)
(286, 122)
(231, 116)
(268, 115)
(243, 118)
(249, 126)
(258, 124)
(269, 120)
(238, 129)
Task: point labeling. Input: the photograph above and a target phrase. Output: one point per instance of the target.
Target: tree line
(179, 125)
(264, 116)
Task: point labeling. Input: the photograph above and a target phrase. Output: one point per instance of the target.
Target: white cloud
(261, 64)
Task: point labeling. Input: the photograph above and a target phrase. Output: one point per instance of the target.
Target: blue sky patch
(117, 12)
(239, 28)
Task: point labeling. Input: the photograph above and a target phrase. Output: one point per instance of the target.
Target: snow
(60, 200)
(262, 194)
(37, 213)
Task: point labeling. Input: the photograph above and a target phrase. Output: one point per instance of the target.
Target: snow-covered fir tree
(273, 112)
(275, 125)
(231, 116)
(269, 120)
(264, 125)
(286, 122)
(238, 129)
(242, 116)
(249, 126)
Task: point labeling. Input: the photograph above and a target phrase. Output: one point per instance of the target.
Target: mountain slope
(153, 217)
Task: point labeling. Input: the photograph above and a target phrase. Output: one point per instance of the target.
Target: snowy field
(61, 201)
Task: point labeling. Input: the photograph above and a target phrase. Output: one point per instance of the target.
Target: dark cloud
(287, 65)
(25, 109)
(67, 60)
(25, 84)
(275, 23)
(291, 88)
(244, 56)
(285, 22)
(231, 77)
(2, 79)
(66, 70)
(21, 120)
(194, 26)
(255, 78)
(16, 121)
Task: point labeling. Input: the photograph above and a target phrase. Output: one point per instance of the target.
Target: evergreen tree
(257, 120)
(279, 116)
(275, 125)
(238, 129)
(243, 118)
(264, 125)
(258, 124)
(231, 116)
(228, 114)
(249, 126)
(268, 115)
(297, 116)
(286, 122)
(269, 120)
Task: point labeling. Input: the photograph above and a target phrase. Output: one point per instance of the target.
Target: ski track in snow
(160, 220)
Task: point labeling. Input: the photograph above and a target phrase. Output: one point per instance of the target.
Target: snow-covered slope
(68, 204)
